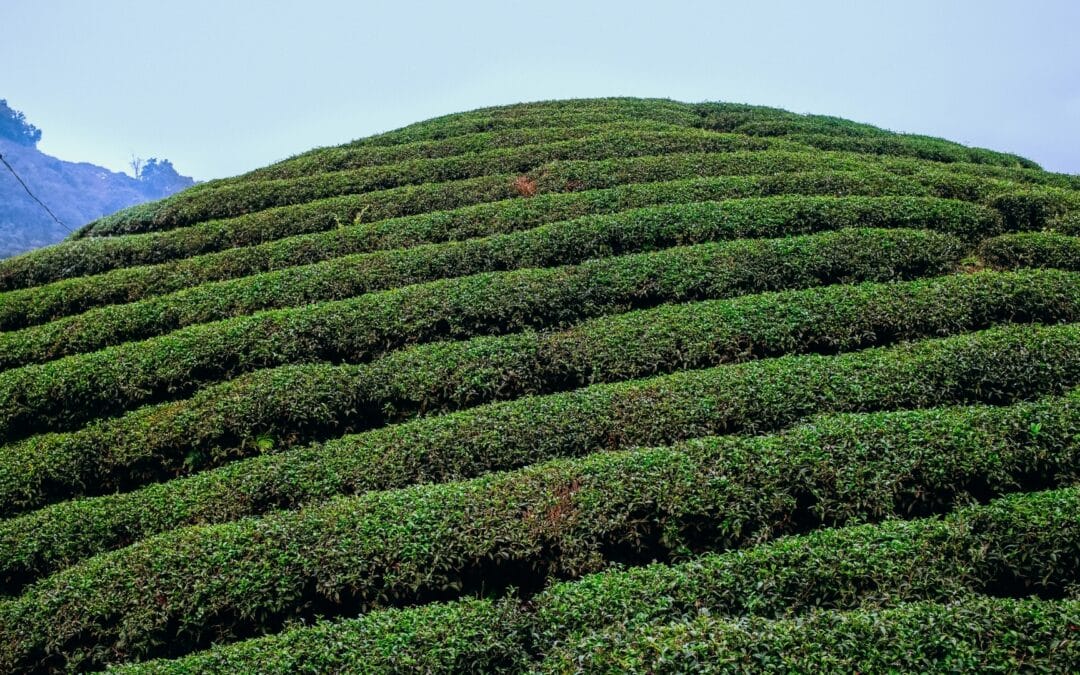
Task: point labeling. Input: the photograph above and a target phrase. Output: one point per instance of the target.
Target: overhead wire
(32, 195)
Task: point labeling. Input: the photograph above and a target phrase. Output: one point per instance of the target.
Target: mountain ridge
(77, 192)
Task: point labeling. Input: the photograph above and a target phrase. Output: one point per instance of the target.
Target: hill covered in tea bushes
(596, 385)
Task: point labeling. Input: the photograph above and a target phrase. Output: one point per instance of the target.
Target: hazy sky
(222, 86)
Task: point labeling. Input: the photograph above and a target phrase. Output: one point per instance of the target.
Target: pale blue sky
(223, 86)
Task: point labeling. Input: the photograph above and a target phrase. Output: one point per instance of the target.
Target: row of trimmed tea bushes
(39, 543)
(735, 118)
(62, 393)
(1032, 249)
(562, 518)
(95, 255)
(253, 197)
(479, 122)
(288, 406)
(763, 121)
(186, 208)
(147, 212)
(562, 113)
(1067, 223)
(867, 566)
(471, 635)
(921, 147)
(339, 158)
(559, 243)
(75, 258)
(944, 180)
(974, 635)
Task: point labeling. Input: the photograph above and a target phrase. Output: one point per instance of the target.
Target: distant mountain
(77, 192)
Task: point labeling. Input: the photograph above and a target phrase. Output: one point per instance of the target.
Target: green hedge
(868, 566)
(467, 636)
(835, 133)
(188, 207)
(298, 403)
(46, 540)
(96, 255)
(344, 157)
(562, 518)
(973, 635)
(541, 113)
(560, 243)
(286, 406)
(1032, 249)
(69, 391)
(933, 149)
(971, 549)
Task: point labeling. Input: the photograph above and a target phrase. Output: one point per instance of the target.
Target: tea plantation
(610, 385)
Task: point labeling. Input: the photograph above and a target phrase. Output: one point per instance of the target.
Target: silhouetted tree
(14, 127)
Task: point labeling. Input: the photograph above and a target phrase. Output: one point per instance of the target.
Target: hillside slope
(605, 385)
(77, 192)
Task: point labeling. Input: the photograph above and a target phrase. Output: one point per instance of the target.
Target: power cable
(33, 196)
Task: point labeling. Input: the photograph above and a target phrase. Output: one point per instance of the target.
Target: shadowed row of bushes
(520, 229)
(972, 635)
(170, 250)
(74, 258)
(81, 387)
(559, 243)
(232, 200)
(1032, 249)
(344, 157)
(856, 568)
(1044, 434)
(188, 207)
(563, 518)
(286, 406)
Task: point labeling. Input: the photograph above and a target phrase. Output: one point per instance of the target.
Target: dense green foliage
(976, 635)
(994, 442)
(366, 326)
(92, 256)
(844, 569)
(604, 385)
(558, 518)
(1032, 249)
(557, 243)
(298, 403)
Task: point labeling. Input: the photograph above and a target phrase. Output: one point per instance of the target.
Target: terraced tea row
(231, 201)
(70, 391)
(1031, 207)
(93, 612)
(300, 403)
(976, 635)
(558, 243)
(1032, 249)
(1036, 442)
(91, 256)
(344, 157)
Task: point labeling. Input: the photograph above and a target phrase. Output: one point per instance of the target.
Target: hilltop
(593, 385)
(77, 192)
